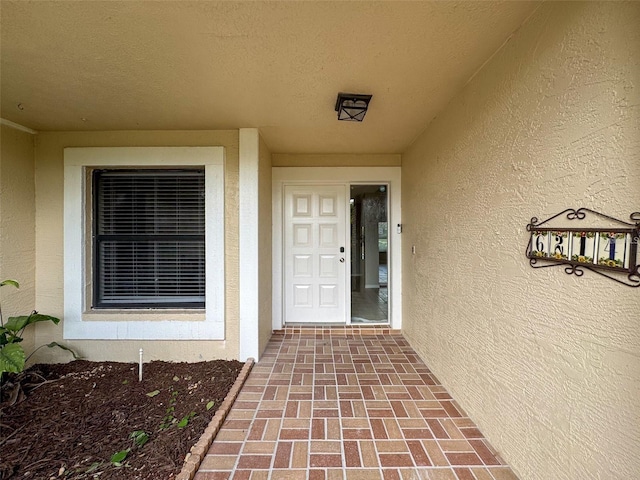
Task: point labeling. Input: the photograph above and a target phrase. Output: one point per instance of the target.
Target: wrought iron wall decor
(608, 251)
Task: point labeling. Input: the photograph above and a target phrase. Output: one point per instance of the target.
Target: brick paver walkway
(325, 404)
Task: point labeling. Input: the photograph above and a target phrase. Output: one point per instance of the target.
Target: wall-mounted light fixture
(352, 106)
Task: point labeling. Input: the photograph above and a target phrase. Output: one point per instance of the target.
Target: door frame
(391, 176)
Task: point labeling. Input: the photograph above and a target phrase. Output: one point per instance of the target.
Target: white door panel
(302, 267)
(314, 268)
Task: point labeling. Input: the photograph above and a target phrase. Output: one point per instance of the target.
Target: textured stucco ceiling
(278, 66)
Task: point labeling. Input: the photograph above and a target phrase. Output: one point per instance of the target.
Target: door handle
(342, 260)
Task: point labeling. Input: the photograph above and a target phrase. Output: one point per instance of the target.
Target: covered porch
(491, 112)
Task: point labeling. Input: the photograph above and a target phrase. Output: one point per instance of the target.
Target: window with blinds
(149, 238)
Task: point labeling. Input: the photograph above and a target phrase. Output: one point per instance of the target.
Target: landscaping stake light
(140, 367)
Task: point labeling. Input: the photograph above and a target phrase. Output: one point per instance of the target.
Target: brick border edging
(194, 458)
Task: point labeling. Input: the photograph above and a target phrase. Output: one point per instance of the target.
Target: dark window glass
(149, 228)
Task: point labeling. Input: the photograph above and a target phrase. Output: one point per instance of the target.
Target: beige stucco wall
(264, 245)
(548, 364)
(49, 154)
(336, 160)
(17, 226)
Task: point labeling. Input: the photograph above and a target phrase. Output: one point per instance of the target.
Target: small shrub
(12, 354)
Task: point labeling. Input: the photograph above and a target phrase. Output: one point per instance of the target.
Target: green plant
(139, 438)
(186, 419)
(12, 354)
(119, 457)
(169, 418)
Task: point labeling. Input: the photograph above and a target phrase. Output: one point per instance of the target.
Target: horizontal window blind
(149, 228)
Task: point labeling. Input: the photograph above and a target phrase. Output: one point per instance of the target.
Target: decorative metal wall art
(608, 251)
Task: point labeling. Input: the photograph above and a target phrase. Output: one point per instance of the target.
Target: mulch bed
(78, 415)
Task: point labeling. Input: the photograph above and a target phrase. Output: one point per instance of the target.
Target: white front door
(314, 265)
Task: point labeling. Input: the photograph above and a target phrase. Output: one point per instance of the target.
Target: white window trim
(80, 321)
(282, 176)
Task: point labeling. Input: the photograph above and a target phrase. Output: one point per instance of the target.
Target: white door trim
(339, 176)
